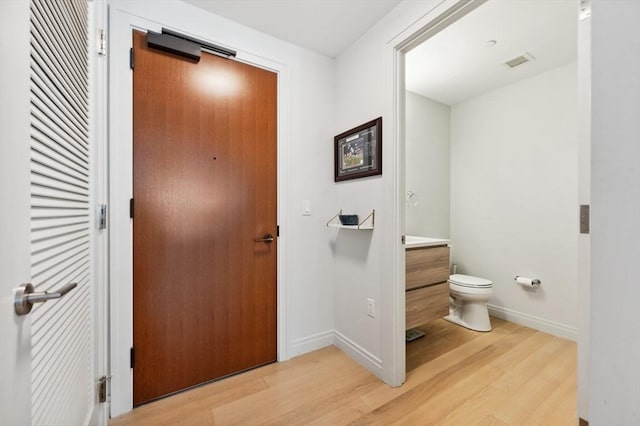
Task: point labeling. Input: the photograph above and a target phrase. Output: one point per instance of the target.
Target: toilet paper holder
(527, 282)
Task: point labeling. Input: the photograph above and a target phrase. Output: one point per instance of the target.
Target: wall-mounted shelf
(366, 224)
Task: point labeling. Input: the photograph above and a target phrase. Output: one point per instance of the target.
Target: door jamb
(121, 25)
(393, 330)
(99, 191)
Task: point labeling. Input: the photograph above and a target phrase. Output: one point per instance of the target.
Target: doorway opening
(470, 167)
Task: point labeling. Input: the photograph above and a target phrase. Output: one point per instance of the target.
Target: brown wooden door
(204, 185)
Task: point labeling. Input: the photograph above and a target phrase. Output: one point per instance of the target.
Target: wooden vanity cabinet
(427, 289)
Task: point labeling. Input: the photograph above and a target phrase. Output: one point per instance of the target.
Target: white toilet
(468, 297)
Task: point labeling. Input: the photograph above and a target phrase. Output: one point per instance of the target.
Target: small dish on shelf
(348, 219)
(352, 221)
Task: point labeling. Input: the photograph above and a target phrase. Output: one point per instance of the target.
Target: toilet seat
(469, 281)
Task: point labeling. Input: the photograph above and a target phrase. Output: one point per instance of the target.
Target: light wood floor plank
(432, 367)
(533, 394)
(451, 398)
(530, 365)
(430, 388)
(474, 409)
(488, 399)
(290, 395)
(332, 357)
(440, 338)
(447, 400)
(510, 376)
(559, 408)
(345, 414)
(491, 421)
(345, 396)
(172, 409)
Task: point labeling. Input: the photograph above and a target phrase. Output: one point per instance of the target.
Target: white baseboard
(333, 337)
(551, 327)
(311, 343)
(359, 354)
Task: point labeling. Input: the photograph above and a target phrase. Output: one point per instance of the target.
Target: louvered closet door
(61, 331)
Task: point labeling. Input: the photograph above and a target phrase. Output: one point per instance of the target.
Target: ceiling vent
(517, 61)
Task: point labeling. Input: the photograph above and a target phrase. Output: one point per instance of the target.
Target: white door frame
(393, 308)
(121, 23)
(15, 157)
(99, 238)
(584, 198)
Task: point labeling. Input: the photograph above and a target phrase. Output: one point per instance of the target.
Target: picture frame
(358, 152)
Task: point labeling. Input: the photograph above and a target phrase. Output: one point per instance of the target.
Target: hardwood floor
(511, 376)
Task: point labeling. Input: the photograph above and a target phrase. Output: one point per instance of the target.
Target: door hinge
(102, 389)
(102, 216)
(102, 43)
(131, 58)
(277, 230)
(585, 9)
(584, 219)
(403, 239)
(132, 356)
(131, 208)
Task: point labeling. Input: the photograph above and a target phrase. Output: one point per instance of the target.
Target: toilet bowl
(468, 297)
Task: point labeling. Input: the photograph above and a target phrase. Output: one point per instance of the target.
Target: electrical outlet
(371, 308)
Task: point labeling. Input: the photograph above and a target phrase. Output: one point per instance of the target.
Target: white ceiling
(450, 67)
(325, 26)
(456, 64)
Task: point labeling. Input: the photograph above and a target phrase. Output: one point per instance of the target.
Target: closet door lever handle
(25, 296)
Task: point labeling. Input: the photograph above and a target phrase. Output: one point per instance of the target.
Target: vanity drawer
(426, 266)
(426, 304)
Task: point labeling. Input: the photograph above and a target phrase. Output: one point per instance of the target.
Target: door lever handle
(266, 238)
(25, 296)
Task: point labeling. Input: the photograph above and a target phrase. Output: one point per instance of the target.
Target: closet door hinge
(131, 58)
(132, 357)
(102, 43)
(585, 9)
(131, 207)
(102, 216)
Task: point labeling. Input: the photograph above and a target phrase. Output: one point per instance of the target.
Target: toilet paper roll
(527, 282)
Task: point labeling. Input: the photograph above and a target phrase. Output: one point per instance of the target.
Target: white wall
(305, 136)
(615, 214)
(366, 265)
(310, 298)
(427, 166)
(514, 196)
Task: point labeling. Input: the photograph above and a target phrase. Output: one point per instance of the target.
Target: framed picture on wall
(358, 152)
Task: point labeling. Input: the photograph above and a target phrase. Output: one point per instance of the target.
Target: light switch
(306, 208)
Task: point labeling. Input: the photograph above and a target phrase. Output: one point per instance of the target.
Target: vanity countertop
(411, 241)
